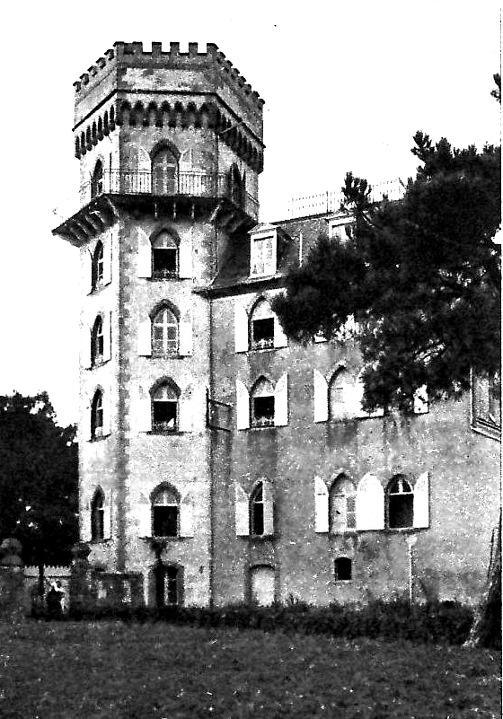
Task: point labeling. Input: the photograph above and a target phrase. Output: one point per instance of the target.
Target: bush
(434, 622)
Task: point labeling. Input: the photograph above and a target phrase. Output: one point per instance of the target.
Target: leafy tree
(421, 277)
(38, 479)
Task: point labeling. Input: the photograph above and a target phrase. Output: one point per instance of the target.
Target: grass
(117, 670)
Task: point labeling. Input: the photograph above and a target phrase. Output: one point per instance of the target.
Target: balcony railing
(185, 184)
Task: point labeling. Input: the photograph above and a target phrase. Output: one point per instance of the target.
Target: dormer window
(338, 230)
(263, 251)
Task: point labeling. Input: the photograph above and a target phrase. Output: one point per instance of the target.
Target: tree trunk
(486, 628)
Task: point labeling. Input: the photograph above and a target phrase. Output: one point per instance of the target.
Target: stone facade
(218, 461)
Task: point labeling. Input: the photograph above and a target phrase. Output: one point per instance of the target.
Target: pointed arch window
(97, 415)
(97, 341)
(400, 503)
(342, 396)
(342, 505)
(236, 189)
(98, 516)
(97, 180)
(257, 510)
(262, 404)
(168, 585)
(165, 261)
(262, 326)
(164, 172)
(165, 408)
(165, 512)
(97, 266)
(165, 333)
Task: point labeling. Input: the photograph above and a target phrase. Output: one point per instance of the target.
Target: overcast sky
(346, 86)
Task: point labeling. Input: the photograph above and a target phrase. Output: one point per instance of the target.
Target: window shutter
(185, 409)
(421, 502)
(185, 344)
(369, 503)
(280, 338)
(242, 406)
(107, 336)
(320, 505)
(85, 355)
(143, 514)
(240, 328)
(144, 255)
(187, 515)
(421, 400)
(185, 258)
(145, 338)
(242, 511)
(144, 413)
(85, 424)
(107, 516)
(88, 268)
(107, 260)
(320, 397)
(85, 523)
(281, 401)
(268, 508)
(107, 413)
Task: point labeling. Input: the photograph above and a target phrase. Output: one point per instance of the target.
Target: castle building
(218, 460)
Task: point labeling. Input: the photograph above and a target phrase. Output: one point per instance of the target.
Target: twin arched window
(164, 171)
(165, 334)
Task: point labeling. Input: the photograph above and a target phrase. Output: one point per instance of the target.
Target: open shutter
(187, 515)
(242, 511)
(421, 502)
(369, 503)
(87, 268)
(268, 508)
(240, 328)
(107, 413)
(143, 514)
(242, 406)
(320, 505)
(85, 423)
(185, 409)
(107, 336)
(320, 397)
(107, 260)
(280, 338)
(144, 255)
(145, 338)
(421, 400)
(281, 401)
(185, 258)
(85, 522)
(186, 344)
(143, 419)
(107, 516)
(85, 352)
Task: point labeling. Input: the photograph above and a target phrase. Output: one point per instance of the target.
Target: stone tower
(170, 149)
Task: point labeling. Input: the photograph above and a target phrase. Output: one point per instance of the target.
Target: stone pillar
(12, 605)
(81, 589)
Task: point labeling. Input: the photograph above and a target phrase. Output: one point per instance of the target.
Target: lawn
(115, 670)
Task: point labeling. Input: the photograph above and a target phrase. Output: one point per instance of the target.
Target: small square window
(263, 333)
(164, 262)
(343, 570)
(263, 411)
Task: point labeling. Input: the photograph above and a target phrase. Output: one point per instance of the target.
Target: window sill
(99, 363)
(165, 432)
(157, 277)
(100, 438)
(166, 355)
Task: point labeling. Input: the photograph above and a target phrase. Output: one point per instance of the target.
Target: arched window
(164, 172)
(97, 341)
(257, 510)
(164, 256)
(342, 396)
(342, 505)
(262, 404)
(165, 333)
(97, 180)
(343, 569)
(168, 585)
(97, 516)
(165, 408)
(165, 512)
(236, 190)
(400, 504)
(97, 265)
(97, 415)
(262, 326)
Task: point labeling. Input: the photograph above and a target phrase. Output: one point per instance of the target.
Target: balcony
(179, 185)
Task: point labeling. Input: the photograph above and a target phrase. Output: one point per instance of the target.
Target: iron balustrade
(185, 184)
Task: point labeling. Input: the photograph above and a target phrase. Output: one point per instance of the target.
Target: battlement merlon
(111, 72)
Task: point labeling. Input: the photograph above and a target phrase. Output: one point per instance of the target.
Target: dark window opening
(97, 342)
(97, 415)
(400, 504)
(257, 511)
(97, 180)
(165, 262)
(168, 587)
(263, 411)
(165, 415)
(263, 333)
(97, 518)
(97, 266)
(165, 521)
(342, 569)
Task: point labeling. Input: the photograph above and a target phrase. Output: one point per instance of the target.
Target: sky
(346, 86)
